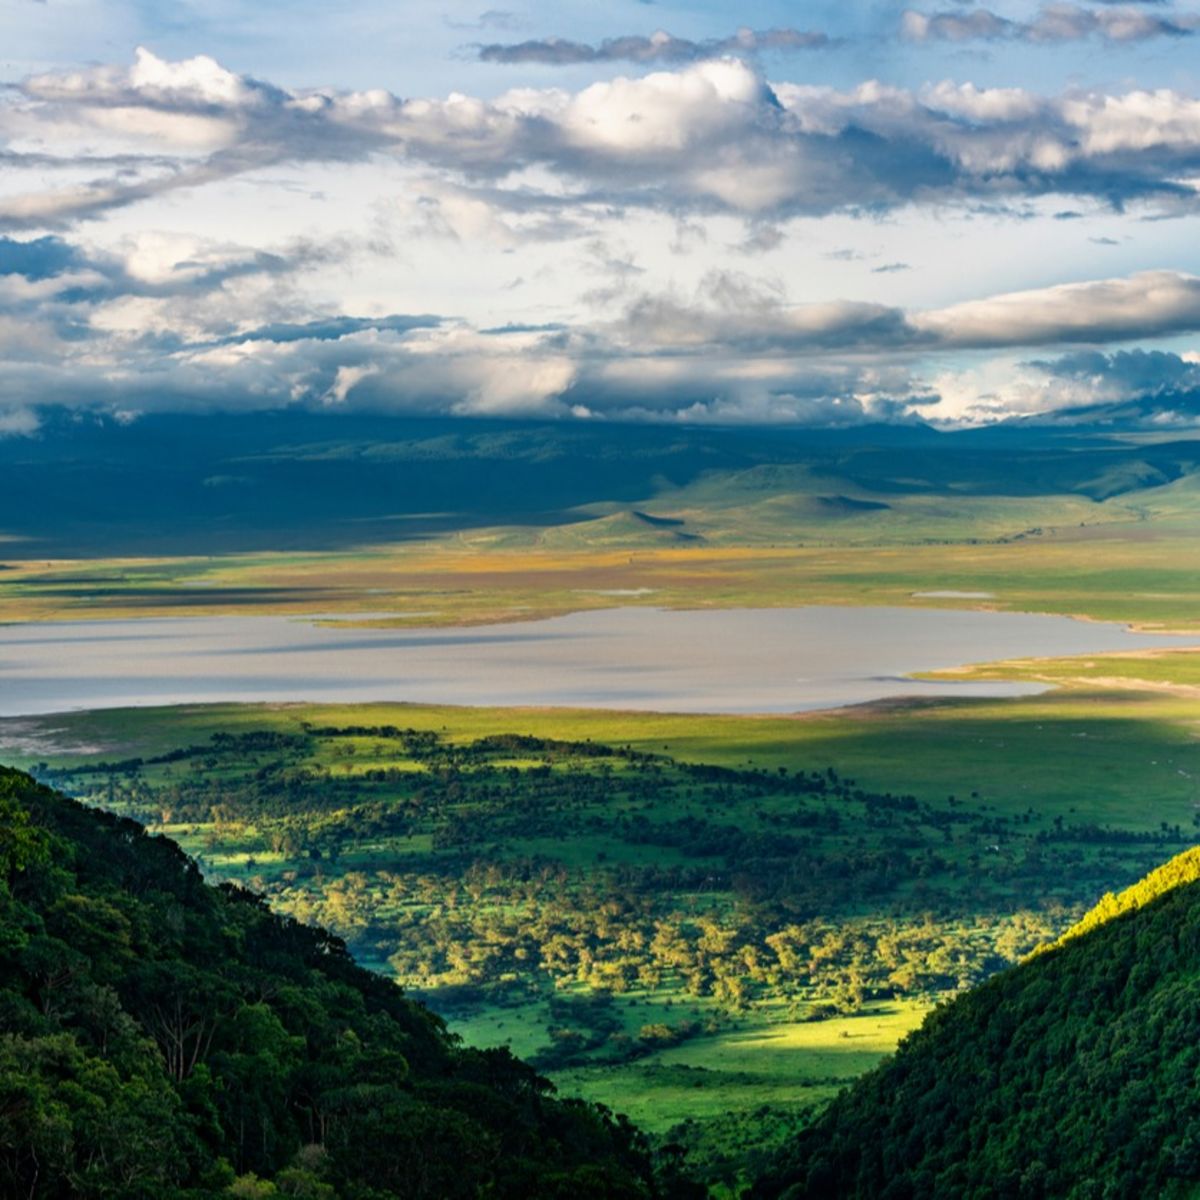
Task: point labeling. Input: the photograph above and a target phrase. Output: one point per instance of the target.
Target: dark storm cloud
(1126, 372)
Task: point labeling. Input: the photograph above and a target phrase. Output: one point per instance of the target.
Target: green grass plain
(1142, 579)
(1084, 745)
(1057, 533)
(1092, 753)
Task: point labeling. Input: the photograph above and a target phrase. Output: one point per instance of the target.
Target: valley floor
(710, 923)
(1145, 574)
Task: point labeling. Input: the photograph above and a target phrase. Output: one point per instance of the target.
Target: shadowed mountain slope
(1076, 1074)
(161, 1037)
(223, 483)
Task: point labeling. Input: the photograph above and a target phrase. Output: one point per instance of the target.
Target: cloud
(735, 313)
(659, 47)
(1052, 23)
(157, 293)
(1093, 377)
(721, 389)
(18, 422)
(451, 369)
(761, 238)
(1135, 388)
(500, 18)
(182, 323)
(1148, 304)
(710, 137)
(345, 379)
(333, 328)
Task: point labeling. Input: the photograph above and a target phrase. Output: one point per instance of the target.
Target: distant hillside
(163, 1038)
(292, 480)
(1073, 1075)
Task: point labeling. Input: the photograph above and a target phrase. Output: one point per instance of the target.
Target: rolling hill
(235, 483)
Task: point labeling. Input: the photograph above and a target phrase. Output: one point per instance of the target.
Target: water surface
(725, 660)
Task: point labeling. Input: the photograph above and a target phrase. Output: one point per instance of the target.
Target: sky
(820, 213)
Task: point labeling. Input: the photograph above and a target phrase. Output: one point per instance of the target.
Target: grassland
(1166, 672)
(1101, 528)
(970, 829)
(1068, 748)
(1147, 577)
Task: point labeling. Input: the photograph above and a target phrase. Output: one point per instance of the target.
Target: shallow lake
(729, 660)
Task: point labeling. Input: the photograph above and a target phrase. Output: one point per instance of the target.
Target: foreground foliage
(1072, 1075)
(684, 918)
(160, 1037)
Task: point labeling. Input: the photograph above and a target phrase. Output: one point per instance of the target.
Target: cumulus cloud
(1050, 24)
(179, 322)
(1142, 388)
(659, 47)
(736, 313)
(1148, 304)
(710, 137)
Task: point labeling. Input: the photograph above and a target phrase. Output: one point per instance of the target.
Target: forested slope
(1076, 1074)
(160, 1037)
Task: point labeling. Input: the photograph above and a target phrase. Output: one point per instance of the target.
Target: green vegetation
(161, 1037)
(416, 521)
(711, 924)
(1171, 672)
(1139, 574)
(1183, 868)
(1070, 1076)
(292, 480)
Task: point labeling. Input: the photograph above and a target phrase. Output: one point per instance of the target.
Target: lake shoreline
(772, 661)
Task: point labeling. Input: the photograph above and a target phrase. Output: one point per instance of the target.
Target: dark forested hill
(160, 1037)
(1076, 1074)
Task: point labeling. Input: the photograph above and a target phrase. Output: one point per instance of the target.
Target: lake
(726, 660)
